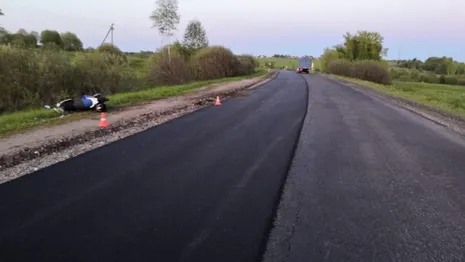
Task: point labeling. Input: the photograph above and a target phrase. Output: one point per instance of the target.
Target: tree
(328, 56)
(22, 32)
(195, 36)
(362, 46)
(21, 39)
(166, 18)
(71, 42)
(51, 38)
(2, 30)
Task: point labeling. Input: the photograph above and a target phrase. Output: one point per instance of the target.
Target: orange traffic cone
(103, 120)
(218, 102)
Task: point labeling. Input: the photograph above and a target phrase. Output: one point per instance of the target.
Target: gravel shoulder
(35, 149)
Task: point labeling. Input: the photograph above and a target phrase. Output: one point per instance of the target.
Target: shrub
(184, 52)
(368, 70)
(113, 53)
(245, 65)
(17, 68)
(109, 48)
(104, 73)
(31, 78)
(429, 77)
(442, 79)
(340, 67)
(461, 81)
(415, 75)
(372, 71)
(394, 73)
(404, 78)
(451, 80)
(162, 71)
(213, 63)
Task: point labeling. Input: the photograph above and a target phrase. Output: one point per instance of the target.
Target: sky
(411, 28)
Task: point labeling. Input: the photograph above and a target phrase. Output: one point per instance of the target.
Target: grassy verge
(447, 98)
(23, 120)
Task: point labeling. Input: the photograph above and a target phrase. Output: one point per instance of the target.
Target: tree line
(359, 56)
(438, 65)
(164, 18)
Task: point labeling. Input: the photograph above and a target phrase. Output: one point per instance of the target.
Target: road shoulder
(448, 120)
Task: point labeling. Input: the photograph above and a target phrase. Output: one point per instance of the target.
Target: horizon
(257, 28)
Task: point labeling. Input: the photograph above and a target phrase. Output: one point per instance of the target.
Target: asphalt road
(370, 182)
(200, 188)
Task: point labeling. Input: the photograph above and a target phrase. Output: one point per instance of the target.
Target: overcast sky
(411, 28)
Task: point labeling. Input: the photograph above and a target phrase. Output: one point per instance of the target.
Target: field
(448, 98)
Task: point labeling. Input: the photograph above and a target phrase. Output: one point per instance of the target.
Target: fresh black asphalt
(370, 182)
(199, 188)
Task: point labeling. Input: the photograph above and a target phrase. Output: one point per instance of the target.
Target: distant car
(305, 64)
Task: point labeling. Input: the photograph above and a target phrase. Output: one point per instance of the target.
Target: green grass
(447, 98)
(139, 65)
(124, 99)
(23, 120)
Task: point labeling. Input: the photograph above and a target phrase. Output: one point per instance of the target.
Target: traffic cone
(218, 102)
(103, 120)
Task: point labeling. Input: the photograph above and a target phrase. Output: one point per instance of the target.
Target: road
(370, 182)
(200, 188)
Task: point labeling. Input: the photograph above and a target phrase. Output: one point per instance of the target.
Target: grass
(23, 120)
(447, 98)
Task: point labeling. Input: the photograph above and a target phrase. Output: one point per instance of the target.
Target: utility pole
(110, 31)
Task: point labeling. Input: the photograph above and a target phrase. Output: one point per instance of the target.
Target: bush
(415, 75)
(109, 48)
(213, 63)
(368, 70)
(164, 72)
(245, 65)
(429, 77)
(113, 53)
(451, 80)
(340, 67)
(32, 78)
(104, 73)
(461, 81)
(442, 79)
(393, 72)
(372, 71)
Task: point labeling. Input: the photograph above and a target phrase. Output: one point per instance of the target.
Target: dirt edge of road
(448, 120)
(25, 154)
